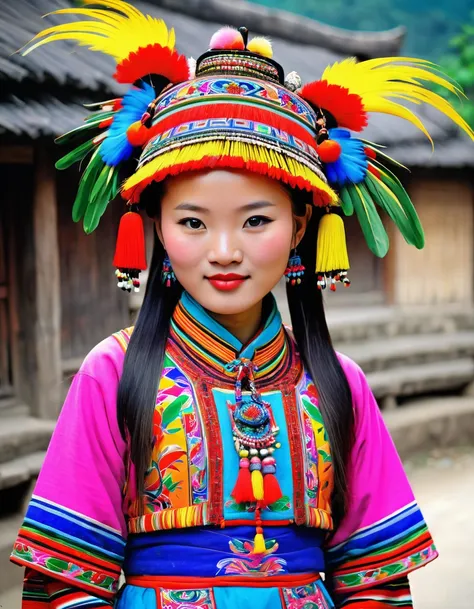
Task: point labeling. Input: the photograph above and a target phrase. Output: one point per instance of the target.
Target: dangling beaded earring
(167, 274)
(295, 270)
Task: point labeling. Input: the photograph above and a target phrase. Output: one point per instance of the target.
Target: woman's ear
(301, 222)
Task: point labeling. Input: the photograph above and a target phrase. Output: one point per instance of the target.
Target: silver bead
(293, 81)
(263, 452)
(253, 452)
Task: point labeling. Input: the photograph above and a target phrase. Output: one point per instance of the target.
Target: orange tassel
(243, 492)
(130, 248)
(271, 490)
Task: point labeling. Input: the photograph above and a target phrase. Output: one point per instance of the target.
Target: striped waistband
(191, 583)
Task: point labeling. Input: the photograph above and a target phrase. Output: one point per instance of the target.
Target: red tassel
(271, 490)
(243, 492)
(130, 248)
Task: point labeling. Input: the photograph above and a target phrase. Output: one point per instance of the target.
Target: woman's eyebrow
(203, 210)
(191, 207)
(257, 205)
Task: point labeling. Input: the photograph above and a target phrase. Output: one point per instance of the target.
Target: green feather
(109, 102)
(407, 208)
(104, 190)
(346, 202)
(85, 186)
(369, 220)
(409, 227)
(100, 116)
(85, 128)
(382, 155)
(75, 155)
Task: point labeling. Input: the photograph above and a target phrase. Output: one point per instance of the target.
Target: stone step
(20, 470)
(12, 407)
(424, 424)
(388, 322)
(412, 350)
(20, 436)
(423, 378)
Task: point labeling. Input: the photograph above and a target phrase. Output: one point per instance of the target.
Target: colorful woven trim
(243, 64)
(240, 91)
(387, 549)
(68, 546)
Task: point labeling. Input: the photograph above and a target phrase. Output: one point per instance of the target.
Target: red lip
(227, 277)
(226, 282)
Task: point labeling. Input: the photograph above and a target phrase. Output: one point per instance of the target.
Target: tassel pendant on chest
(254, 430)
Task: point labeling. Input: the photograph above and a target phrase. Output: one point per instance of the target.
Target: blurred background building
(408, 319)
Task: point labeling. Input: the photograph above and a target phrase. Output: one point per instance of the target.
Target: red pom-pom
(243, 491)
(346, 107)
(329, 151)
(130, 248)
(138, 134)
(271, 490)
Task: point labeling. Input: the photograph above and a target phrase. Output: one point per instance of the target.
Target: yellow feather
(378, 82)
(117, 32)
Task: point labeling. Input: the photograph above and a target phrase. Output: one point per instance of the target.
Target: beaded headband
(234, 108)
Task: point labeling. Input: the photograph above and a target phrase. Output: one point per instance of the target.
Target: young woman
(215, 456)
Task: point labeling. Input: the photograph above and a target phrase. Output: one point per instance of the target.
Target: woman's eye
(192, 223)
(256, 221)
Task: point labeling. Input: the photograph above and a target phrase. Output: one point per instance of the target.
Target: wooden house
(57, 289)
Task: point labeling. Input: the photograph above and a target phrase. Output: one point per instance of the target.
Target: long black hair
(145, 353)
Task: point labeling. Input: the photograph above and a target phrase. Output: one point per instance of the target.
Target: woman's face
(228, 235)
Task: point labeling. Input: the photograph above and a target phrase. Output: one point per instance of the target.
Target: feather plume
(382, 83)
(140, 44)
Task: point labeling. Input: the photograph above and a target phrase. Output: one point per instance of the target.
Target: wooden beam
(48, 298)
(18, 155)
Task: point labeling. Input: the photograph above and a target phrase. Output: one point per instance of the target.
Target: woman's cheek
(271, 247)
(182, 249)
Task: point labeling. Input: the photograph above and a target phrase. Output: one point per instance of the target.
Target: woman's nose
(225, 250)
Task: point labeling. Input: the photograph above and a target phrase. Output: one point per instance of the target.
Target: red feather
(153, 59)
(347, 108)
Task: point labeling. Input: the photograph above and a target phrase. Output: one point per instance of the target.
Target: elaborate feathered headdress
(234, 108)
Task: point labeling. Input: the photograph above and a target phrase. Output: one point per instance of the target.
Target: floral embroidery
(184, 599)
(246, 562)
(311, 596)
(400, 567)
(68, 569)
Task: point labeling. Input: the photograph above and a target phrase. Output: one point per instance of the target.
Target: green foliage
(459, 64)
(430, 25)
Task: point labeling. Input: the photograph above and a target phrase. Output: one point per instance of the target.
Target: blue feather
(116, 147)
(351, 167)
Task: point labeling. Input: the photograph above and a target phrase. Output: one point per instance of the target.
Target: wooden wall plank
(48, 293)
(443, 271)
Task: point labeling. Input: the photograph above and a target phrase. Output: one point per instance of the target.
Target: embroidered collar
(208, 344)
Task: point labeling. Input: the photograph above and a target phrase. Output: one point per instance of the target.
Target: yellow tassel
(259, 544)
(166, 163)
(257, 484)
(331, 248)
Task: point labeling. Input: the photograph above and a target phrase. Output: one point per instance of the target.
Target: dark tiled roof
(41, 92)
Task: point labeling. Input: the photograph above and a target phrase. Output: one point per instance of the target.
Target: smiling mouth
(227, 282)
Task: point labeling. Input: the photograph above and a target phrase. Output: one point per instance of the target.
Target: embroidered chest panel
(194, 463)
